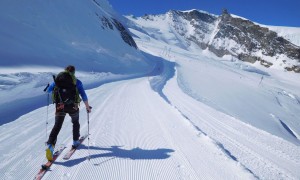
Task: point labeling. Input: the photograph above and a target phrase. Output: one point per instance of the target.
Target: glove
(88, 109)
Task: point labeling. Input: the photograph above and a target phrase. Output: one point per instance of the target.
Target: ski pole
(88, 121)
(47, 110)
(46, 87)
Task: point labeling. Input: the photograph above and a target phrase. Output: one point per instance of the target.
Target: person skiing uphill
(66, 89)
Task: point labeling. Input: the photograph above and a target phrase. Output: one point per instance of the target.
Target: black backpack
(65, 91)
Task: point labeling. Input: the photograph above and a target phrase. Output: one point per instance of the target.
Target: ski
(47, 166)
(73, 149)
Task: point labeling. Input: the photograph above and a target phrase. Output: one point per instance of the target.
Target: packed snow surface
(179, 113)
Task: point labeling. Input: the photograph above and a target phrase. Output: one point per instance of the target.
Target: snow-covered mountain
(231, 35)
(290, 33)
(164, 106)
(39, 38)
(196, 32)
(86, 34)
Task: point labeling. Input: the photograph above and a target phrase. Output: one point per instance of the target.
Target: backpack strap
(59, 96)
(77, 98)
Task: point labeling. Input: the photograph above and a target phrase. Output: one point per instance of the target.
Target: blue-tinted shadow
(117, 152)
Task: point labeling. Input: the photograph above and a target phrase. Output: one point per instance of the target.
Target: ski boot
(76, 144)
(49, 152)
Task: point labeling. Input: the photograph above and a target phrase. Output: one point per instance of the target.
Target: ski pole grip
(46, 87)
(90, 108)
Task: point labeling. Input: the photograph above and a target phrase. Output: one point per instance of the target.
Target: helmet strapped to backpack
(65, 92)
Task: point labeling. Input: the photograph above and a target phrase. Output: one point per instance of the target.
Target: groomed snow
(177, 114)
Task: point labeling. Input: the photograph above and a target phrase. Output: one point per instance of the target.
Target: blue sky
(269, 12)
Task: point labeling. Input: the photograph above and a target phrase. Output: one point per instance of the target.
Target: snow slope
(59, 33)
(136, 134)
(39, 38)
(186, 114)
(268, 99)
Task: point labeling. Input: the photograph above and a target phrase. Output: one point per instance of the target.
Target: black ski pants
(59, 119)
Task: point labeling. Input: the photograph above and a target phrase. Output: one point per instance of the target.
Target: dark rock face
(110, 23)
(202, 23)
(124, 33)
(255, 38)
(197, 16)
(213, 32)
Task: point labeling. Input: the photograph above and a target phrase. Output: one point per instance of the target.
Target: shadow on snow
(117, 152)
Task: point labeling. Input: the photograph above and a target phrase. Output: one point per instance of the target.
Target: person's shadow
(117, 152)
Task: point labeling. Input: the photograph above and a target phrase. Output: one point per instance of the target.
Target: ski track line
(143, 140)
(151, 139)
(136, 137)
(97, 95)
(225, 132)
(183, 164)
(136, 134)
(246, 136)
(204, 172)
(118, 135)
(245, 149)
(225, 135)
(181, 158)
(32, 134)
(124, 127)
(21, 154)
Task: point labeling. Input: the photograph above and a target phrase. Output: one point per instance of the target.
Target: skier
(65, 93)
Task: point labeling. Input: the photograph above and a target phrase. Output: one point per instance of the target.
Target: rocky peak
(241, 38)
(225, 16)
(253, 40)
(225, 11)
(195, 15)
